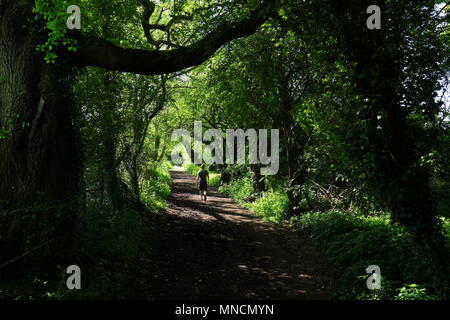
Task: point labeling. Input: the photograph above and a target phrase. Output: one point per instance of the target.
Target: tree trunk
(296, 172)
(109, 140)
(112, 179)
(259, 181)
(40, 163)
(135, 178)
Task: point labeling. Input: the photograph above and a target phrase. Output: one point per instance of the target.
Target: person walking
(202, 181)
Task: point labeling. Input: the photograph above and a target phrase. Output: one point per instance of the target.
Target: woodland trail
(219, 250)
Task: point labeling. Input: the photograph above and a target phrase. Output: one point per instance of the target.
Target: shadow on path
(218, 250)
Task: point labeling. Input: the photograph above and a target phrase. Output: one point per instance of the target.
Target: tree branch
(95, 51)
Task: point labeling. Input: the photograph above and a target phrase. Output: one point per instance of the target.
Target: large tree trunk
(40, 163)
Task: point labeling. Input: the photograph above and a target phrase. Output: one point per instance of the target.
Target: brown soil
(216, 249)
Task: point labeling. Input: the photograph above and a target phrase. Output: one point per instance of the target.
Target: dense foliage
(86, 118)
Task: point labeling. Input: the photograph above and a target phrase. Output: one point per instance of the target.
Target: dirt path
(218, 250)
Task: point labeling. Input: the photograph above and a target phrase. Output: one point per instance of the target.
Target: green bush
(446, 224)
(355, 242)
(214, 179)
(109, 245)
(238, 189)
(441, 191)
(112, 240)
(414, 292)
(156, 186)
(191, 168)
(272, 206)
(276, 183)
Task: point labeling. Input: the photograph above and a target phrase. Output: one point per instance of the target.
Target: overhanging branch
(94, 51)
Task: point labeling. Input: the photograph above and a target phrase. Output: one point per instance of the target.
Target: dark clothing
(203, 186)
(202, 179)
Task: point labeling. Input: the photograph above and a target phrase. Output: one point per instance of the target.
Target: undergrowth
(351, 239)
(107, 247)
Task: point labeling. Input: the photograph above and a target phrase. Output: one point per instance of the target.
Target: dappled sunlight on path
(216, 249)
